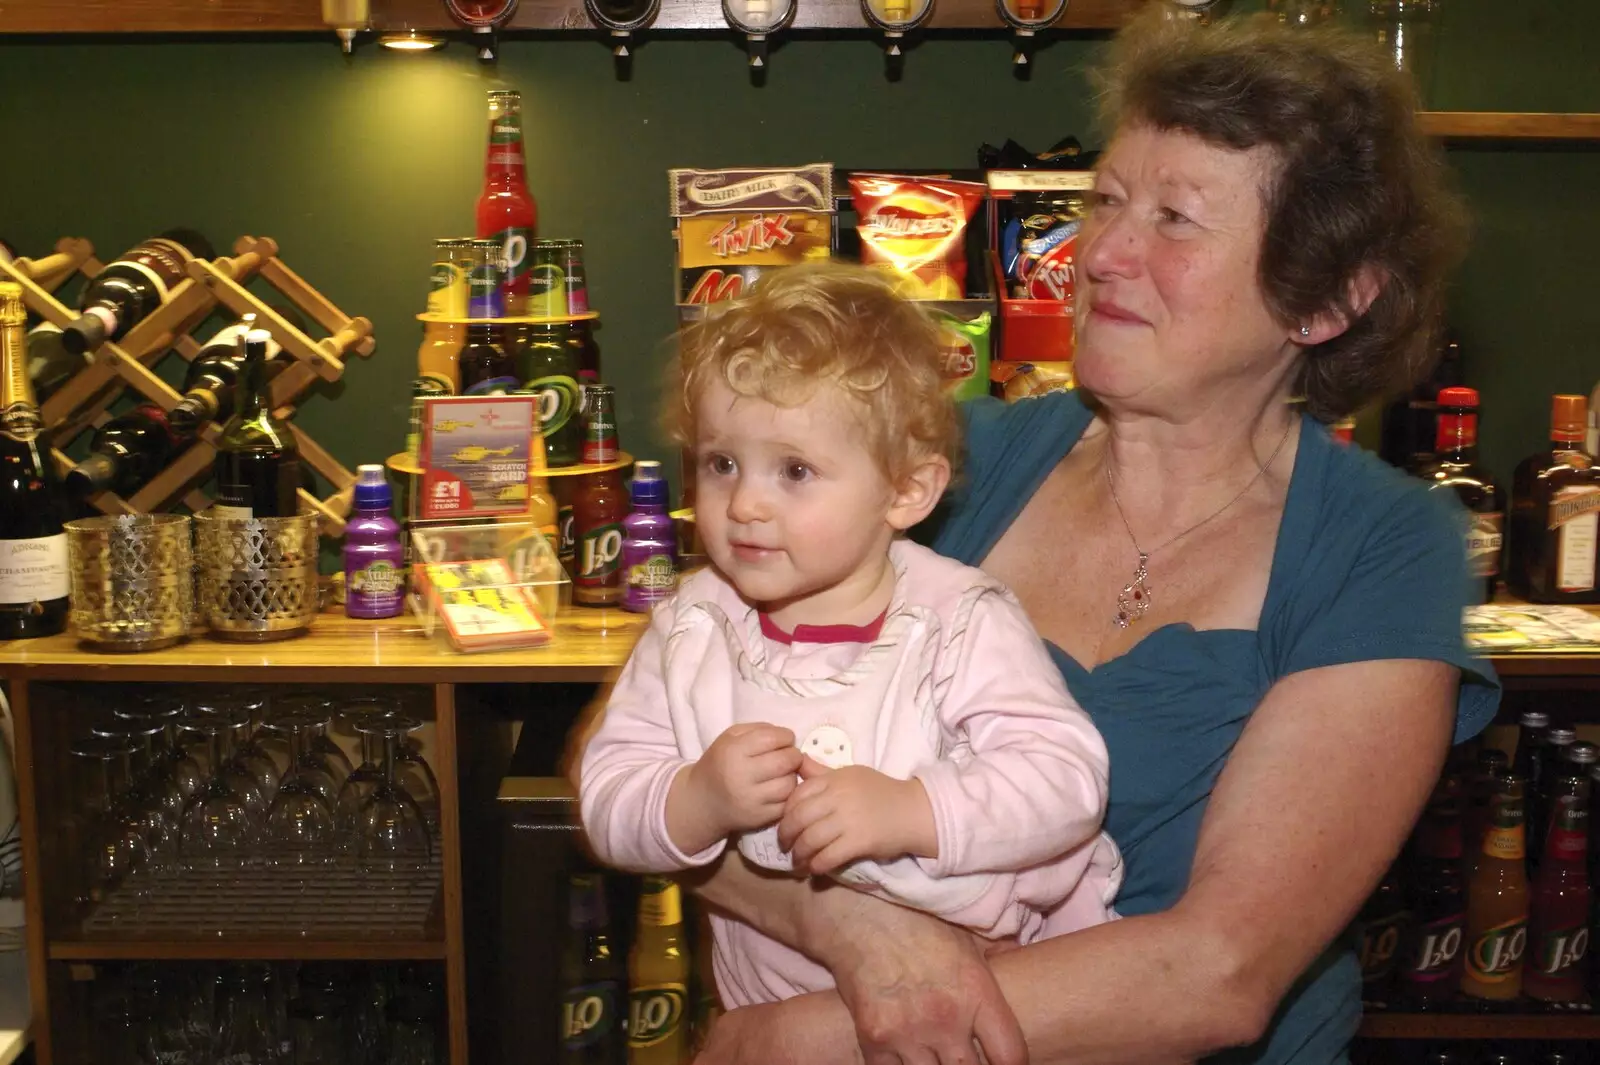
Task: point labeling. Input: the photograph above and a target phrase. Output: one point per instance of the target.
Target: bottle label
(599, 554)
(447, 290)
(1438, 944)
(1505, 842)
(566, 544)
(588, 1014)
(514, 242)
(231, 512)
(1495, 955)
(1575, 512)
(655, 1013)
(1380, 941)
(547, 290)
(1560, 949)
(1569, 842)
(157, 282)
(164, 261)
(655, 574)
(375, 586)
(34, 570)
(660, 904)
(600, 434)
(485, 296)
(1485, 536)
(557, 401)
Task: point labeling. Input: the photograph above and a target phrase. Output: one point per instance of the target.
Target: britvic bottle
(1497, 902)
(1430, 951)
(1559, 930)
(374, 560)
(592, 980)
(598, 511)
(506, 210)
(658, 978)
(649, 544)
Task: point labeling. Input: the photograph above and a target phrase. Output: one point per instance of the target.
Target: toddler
(830, 696)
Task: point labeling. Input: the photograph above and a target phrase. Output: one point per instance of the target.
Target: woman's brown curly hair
(1358, 186)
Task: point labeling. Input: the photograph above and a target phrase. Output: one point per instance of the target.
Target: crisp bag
(914, 228)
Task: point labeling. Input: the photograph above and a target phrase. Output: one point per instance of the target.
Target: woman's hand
(920, 992)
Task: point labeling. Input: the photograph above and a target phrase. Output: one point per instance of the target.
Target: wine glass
(163, 778)
(218, 830)
(241, 777)
(246, 1023)
(138, 803)
(391, 833)
(253, 748)
(359, 785)
(321, 707)
(300, 826)
(113, 847)
(163, 706)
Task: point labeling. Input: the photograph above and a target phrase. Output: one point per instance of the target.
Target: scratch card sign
(475, 455)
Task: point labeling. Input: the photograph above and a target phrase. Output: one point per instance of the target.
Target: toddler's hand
(838, 816)
(744, 777)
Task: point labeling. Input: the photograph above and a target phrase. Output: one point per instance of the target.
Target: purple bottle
(649, 542)
(374, 567)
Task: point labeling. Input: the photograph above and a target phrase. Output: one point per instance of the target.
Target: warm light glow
(411, 41)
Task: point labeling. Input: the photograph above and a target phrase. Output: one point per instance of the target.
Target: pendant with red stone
(1135, 597)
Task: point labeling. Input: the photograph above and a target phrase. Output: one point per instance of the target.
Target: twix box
(735, 224)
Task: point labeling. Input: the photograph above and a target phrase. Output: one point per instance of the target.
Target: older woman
(1264, 625)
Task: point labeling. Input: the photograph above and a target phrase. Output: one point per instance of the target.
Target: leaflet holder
(84, 402)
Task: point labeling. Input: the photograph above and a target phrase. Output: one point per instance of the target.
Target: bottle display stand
(84, 402)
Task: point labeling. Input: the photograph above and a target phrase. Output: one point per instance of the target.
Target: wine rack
(84, 402)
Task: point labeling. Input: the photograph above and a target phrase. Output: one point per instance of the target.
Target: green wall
(355, 165)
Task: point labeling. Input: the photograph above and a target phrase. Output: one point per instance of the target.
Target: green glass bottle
(258, 462)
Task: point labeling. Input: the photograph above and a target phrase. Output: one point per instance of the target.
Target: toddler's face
(792, 507)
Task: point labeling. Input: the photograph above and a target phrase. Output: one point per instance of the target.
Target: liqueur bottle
(1456, 468)
(1555, 514)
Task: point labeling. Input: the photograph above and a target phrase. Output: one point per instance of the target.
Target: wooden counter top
(590, 645)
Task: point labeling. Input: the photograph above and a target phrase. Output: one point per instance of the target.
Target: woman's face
(1170, 318)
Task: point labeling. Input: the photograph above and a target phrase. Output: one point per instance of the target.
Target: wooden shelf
(1510, 125)
(305, 16)
(288, 948)
(1480, 1026)
(589, 645)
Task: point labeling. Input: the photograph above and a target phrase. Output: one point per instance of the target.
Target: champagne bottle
(124, 293)
(210, 385)
(125, 453)
(258, 463)
(33, 547)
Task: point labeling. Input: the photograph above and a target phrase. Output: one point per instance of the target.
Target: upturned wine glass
(113, 847)
(300, 826)
(219, 831)
(391, 833)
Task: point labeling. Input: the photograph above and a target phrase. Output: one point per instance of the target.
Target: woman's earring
(1305, 330)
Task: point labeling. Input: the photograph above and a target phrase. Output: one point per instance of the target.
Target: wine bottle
(258, 463)
(126, 452)
(50, 364)
(124, 293)
(210, 383)
(33, 547)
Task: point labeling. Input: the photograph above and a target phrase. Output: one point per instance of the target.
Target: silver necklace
(1134, 599)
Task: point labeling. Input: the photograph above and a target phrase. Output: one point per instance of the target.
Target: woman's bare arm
(1315, 801)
